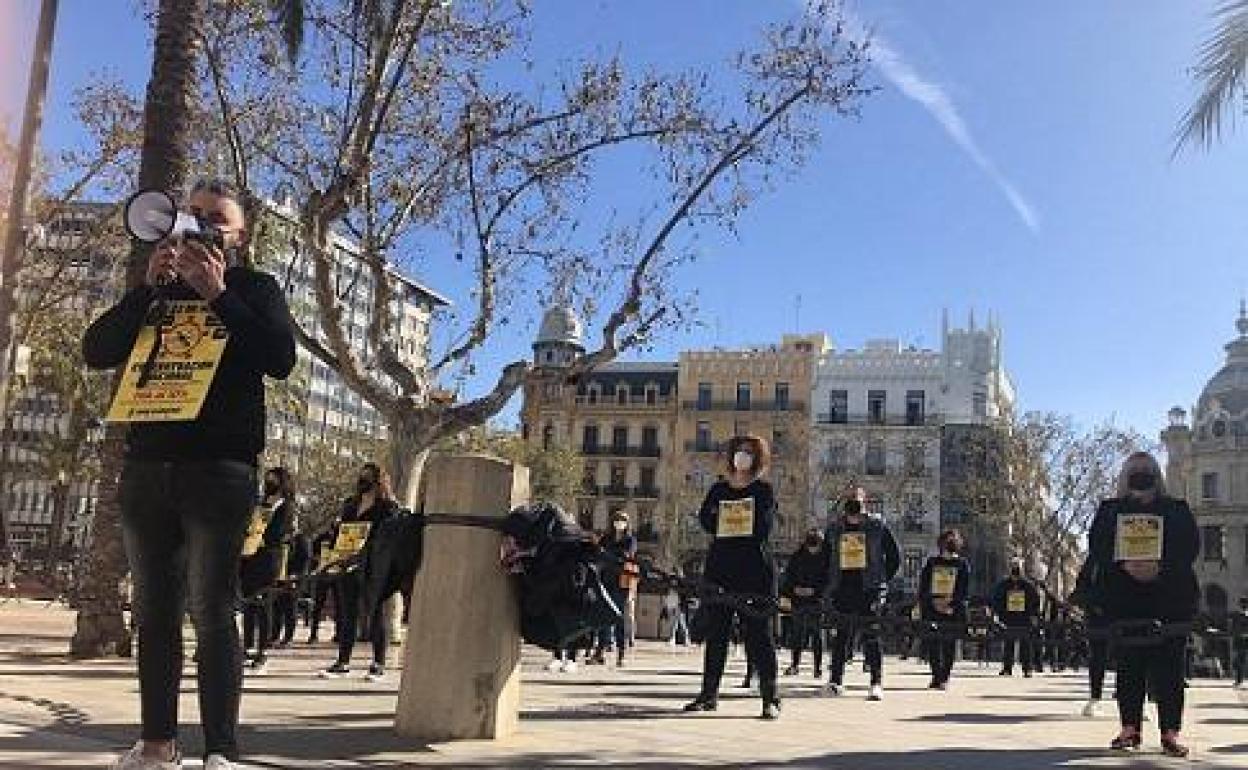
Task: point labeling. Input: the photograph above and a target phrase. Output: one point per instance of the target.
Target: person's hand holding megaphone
(160, 266)
(202, 267)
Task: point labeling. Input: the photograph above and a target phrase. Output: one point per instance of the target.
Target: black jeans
(759, 649)
(1019, 637)
(258, 623)
(323, 587)
(807, 628)
(856, 604)
(284, 615)
(1241, 662)
(350, 595)
(183, 526)
(1157, 669)
(1098, 659)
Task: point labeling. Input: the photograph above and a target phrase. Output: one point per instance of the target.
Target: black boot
(771, 700)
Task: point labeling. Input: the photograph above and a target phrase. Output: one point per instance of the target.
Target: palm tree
(1223, 64)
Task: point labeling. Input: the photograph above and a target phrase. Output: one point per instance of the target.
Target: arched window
(1215, 599)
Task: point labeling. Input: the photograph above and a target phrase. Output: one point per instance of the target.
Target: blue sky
(1116, 272)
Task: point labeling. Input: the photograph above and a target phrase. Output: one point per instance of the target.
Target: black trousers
(183, 525)
(1022, 641)
(759, 649)
(804, 629)
(843, 646)
(1241, 662)
(284, 615)
(350, 593)
(1098, 660)
(258, 623)
(324, 586)
(1157, 669)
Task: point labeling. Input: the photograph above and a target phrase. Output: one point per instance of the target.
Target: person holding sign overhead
(197, 339)
(1017, 604)
(372, 504)
(863, 556)
(739, 513)
(1144, 544)
(943, 587)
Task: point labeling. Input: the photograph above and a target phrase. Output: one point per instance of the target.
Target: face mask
(364, 486)
(853, 509)
(812, 543)
(743, 461)
(1140, 481)
(620, 526)
(270, 488)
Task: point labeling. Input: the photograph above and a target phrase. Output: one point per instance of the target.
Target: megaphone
(152, 216)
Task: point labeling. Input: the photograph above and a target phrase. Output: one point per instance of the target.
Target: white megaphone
(152, 216)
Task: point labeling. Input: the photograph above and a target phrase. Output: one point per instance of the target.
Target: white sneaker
(1092, 709)
(218, 762)
(554, 666)
(876, 692)
(568, 667)
(134, 760)
(834, 690)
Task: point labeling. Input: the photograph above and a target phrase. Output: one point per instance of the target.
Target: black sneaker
(791, 671)
(376, 672)
(771, 710)
(335, 671)
(701, 703)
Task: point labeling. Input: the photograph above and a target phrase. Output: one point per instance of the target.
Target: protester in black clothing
(260, 570)
(943, 588)
(188, 485)
(1144, 544)
(618, 568)
(1239, 643)
(1085, 597)
(739, 514)
(1017, 604)
(863, 557)
(373, 503)
(805, 579)
(286, 602)
(324, 585)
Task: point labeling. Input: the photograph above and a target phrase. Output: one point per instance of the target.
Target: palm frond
(1221, 71)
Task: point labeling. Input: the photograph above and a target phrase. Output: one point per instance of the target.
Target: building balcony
(632, 402)
(613, 490)
(751, 406)
(646, 493)
(886, 421)
(613, 450)
(705, 447)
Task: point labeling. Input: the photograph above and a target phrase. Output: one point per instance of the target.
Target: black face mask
(364, 486)
(1141, 481)
(853, 508)
(270, 488)
(812, 543)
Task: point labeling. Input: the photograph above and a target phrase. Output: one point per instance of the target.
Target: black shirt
(1175, 594)
(961, 586)
(743, 562)
(231, 425)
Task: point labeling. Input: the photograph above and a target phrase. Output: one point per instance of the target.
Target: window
(704, 396)
(915, 407)
(782, 396)
(838, 406)
(1211, 540)
(548, 437)
(585, 515)
(913, 566)
(650, 438)
(740, 428)
(618, 475)
(647, 478)
(589, 443)
(875, 507)
(979, 404)
(916, 455)
(743, 395)
(1209, 486)
(652, 396)
(589, 479)
(621, 396)
(593, 394)
(619, 439)
(876, 400)
(876, 458)
(703, 439)
(837, 459)
(915, 504)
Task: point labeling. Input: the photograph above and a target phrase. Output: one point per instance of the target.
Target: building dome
(1228, 389)
(560, 326)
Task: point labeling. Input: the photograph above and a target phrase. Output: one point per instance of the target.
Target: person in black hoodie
(739, 514)
(1017, 604)
(943, 588)
(260, 570)
(1144, 544)
(803, 584)
(188, 486)
(863, 556)
(373, 503)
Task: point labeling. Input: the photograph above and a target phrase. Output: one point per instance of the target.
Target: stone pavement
(56, 713)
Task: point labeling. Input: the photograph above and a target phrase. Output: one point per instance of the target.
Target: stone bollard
(461, 675)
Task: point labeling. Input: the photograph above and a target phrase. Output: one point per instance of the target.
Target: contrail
(933, 98)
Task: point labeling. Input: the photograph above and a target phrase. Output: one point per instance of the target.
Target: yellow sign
(1016, 601)
(192, 341)
(351, 537)
(1140, 537)
(326, 556)
(284, 555)
(944, 581)
(255, 530)
(853, 550)
(736, 518)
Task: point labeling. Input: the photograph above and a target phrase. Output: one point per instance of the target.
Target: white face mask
(743, 461)
(620, 526)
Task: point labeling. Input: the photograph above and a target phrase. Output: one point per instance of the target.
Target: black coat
(741, 564)
(1000, 601)
(260, 570)
(806, 570)
(961, 588)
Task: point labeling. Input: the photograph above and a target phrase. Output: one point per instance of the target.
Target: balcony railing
(646, 493)
(615, 450)
(888, 420)
(612, 490)
(751, 406)
(605, 401)
(705, 446)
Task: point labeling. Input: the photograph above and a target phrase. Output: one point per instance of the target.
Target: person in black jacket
(943, 588)
(863, 556)
(618, 567)
(260, 570)
(188, 485)
(1144, 544)
(324, 585)
(1017, 604)
(373, 503)
(1094, 617)
(803, 584)
(1239, 642)
(739, 514)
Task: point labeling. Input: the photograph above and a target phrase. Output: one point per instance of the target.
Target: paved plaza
(56, 713)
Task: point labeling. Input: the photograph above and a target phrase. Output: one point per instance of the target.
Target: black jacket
(260, 570)
(961, 587)
(741, 564)
(1001, 596)
(806, 570)
(883, 557)
(231, 424)
(1175, 594)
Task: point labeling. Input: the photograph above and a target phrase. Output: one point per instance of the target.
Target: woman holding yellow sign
(1144, 543)
(739, 514)
(943, 588)
(262, 562)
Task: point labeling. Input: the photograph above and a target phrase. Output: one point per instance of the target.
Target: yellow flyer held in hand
(1140, 537)
(192, 341)
(736, 518)
(944, 580)
(1016, 601)
(351, 537)
(853, 550)
(255, 530)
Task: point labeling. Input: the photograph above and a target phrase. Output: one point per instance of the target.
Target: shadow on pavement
(992, 719)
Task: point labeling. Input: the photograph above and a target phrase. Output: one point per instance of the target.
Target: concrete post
(461, 676)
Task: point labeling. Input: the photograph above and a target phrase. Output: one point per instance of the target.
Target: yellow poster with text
(192, 341)
(736, 518)
(1016, 601)
(944, 581)
(1140, 537)
(853, 550)
(350, 540)
(255, 530)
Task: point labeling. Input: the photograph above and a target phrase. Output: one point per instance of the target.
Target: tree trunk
(167, 117)
(408, 449)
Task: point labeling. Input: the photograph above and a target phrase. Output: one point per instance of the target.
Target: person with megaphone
(196, 341)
